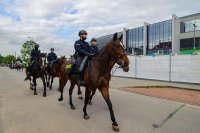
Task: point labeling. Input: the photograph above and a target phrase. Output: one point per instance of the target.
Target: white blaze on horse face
(43, 61)
(122, 44)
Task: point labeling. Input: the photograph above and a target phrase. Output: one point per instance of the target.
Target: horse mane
(103, 52)
(60, 60)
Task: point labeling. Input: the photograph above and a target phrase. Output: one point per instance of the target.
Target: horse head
(117, 52)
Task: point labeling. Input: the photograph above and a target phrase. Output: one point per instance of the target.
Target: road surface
(22, 112)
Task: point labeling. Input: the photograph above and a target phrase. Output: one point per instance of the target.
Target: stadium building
(170, 36)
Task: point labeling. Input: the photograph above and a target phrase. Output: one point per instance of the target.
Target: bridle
(118, 58)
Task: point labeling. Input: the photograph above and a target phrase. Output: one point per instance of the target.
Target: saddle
(75, 70)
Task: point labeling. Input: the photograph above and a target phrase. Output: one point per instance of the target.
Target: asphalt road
(23, 112)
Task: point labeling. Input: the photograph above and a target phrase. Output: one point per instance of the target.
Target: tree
(1, 59)
(18, 59)
(9, 59)
(26, 49)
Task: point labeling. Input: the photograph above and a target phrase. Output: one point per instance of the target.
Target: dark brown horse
(52, 73)
(98, 75)
(37, 71)
(59, 70)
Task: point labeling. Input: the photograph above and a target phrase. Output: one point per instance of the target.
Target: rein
(116, 59)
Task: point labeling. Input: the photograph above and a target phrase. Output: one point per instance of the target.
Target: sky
(55, 23)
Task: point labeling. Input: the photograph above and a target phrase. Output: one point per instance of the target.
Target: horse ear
(115, 36)
(121, 37)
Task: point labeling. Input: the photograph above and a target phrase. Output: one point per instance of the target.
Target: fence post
(135, 67)
(170, 67)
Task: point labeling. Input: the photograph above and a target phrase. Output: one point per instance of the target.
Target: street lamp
(30, 37)
(194, 35)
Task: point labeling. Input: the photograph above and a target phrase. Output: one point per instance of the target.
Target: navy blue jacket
(35, 54)
(82, 48)
(94, 49)
(51, 57)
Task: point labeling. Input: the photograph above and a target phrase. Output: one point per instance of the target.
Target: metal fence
(177, 68)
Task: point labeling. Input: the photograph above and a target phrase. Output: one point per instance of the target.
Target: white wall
(186, 68)
(149, 67)
(130, 73)
(180, 68)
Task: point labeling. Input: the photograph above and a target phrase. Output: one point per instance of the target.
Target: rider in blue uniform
(35, 55)
(82, 53)
(93, 47)
(51, 57)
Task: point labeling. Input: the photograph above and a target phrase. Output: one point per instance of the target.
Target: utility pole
(194, 36)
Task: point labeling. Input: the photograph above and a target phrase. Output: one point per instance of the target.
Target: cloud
(56, 23)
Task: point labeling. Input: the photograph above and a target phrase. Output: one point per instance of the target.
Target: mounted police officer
(51, 57)
(93, 47)
(35, 56)
(82, 53)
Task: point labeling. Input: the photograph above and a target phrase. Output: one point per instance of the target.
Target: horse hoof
(80, 97)
(86, 117)
(73, 107)
(116, 128)
(35, 93)
(60, 99)
(44, 94)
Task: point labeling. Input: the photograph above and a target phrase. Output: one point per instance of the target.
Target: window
(159, 36)
(189, 43)
(135, 40)
(188, 26)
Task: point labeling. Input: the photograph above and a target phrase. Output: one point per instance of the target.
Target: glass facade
(188, 26)
(134, 40)
(189, 43)
(159, 37)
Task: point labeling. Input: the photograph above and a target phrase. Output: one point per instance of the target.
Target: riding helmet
(36, 45)
(93, 40)
(82, 32)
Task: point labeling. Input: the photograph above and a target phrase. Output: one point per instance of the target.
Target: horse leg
(48, 80)
(44, 84)
(31, 85)
(105, 94)
(80, 93)
(72, 85)
(91, 96)
(35, 84)
(87, 96)
(51, 82)
(62, 85)
(58, 89)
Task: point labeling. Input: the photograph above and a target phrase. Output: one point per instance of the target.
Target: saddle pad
(68, 66)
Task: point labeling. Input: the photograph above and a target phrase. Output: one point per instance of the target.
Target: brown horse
(59, 70)
(98, 75)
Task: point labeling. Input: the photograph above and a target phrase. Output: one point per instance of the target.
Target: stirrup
(81, 83)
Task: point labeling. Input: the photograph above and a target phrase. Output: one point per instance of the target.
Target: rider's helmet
(94, 40)
(52, 49)
(36, 46)
(82, 32)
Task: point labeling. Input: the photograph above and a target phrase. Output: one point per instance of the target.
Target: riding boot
(81, 82)
(69, 72)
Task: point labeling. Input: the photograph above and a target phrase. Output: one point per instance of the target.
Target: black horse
(37, 71)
